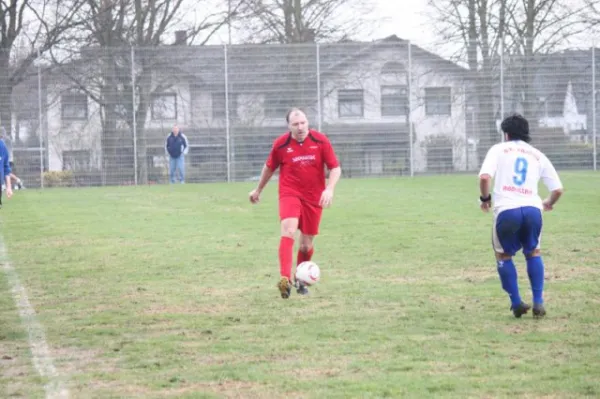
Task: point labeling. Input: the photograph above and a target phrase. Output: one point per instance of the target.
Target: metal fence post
(594, 143)
(319, 111)
(41, 117)
(501, 84)
(227, 127)
(410, 109)
(135, 158)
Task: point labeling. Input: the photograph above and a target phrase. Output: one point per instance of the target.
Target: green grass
(170, 291)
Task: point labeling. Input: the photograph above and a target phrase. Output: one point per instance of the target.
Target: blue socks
(535, 271)
(508, 277)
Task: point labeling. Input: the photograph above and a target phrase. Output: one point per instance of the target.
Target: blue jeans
(177, 164)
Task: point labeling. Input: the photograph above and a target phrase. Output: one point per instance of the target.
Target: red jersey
(302, 165)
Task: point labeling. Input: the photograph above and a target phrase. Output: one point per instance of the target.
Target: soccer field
(170, 291)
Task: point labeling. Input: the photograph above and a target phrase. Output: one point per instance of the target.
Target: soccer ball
(308, 273)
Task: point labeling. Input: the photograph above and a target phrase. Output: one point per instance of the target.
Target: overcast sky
(411, 20)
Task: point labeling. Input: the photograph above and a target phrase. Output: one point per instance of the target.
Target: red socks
(305, 256)
(286, 253)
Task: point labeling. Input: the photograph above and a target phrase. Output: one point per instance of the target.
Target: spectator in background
(5, 137)
(5, 171)
(176, 147)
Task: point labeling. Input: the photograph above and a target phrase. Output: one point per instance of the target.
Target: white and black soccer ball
(308, 273)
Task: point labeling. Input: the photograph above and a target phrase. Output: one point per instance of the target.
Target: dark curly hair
(516, 127)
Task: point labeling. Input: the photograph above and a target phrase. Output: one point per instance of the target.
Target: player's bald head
(297, 123)
(294, 112)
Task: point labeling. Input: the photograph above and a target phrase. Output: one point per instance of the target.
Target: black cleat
(539, 311)
(520, 309)
(285, 287)
(301, 289)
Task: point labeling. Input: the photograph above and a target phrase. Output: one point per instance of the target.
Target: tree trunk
(142, 145)
(528, 63)
(486, 117)
(110, 140)
(5, 91)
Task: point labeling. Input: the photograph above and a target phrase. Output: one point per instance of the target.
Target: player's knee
(306, 246)
(503, 256)
(533, 254)
(288, 231)
(288, 228)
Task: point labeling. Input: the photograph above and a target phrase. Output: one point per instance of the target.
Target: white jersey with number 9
(517, 168)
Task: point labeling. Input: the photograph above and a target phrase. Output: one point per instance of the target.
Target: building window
(164, 106)
(74, 106)
(277, 105)
(394, 69)
(394, 101)
(438, 101)
(76, 160)
(218, 106)
(351, 103)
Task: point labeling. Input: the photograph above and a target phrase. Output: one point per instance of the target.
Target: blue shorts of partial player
(516, 229)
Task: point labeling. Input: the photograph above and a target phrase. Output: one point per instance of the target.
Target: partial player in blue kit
(516, 168)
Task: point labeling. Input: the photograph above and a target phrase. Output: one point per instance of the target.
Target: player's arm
(333, 164)
(335, 173)
(267, 172)
(334, 177)
(552, 182)
(486, 173)
(485, 181)
(265, 176)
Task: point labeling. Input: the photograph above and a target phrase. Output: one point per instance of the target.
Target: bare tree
(520, 30)
(477, 27)
(538, 27)
(301, 21)
(592, 13)
(117, 33)
(36, 27)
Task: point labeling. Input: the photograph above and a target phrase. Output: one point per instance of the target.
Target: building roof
(554, 72)
(253, 67)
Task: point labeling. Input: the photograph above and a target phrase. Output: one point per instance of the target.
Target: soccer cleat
(539, 311)
(301, 289)
(520, 309)
(285, 287)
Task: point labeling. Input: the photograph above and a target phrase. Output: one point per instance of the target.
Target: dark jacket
(176, 145)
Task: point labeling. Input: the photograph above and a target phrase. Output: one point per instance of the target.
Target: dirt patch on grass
(229, 389)
(71, 361)
(14, 365)
(185, 309)
(477, 274)
(308, 374)
(18, 378)
(534, 326)
(222, 389)
(565, 273)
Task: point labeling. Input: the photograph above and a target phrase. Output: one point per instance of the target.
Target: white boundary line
(37, 338)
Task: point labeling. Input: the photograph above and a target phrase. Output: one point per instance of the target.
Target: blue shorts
(517, 228)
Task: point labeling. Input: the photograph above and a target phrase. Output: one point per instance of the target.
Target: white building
(365, 96)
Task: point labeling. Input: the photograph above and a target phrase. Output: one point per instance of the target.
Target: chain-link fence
(390, 108)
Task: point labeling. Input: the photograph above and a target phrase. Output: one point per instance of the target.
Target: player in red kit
(301, 156)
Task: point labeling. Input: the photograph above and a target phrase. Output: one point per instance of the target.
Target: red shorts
(308, 215)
